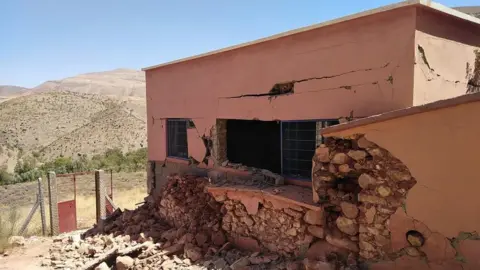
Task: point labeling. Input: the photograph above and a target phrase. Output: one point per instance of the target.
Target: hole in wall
(254, 143)
(415, 238)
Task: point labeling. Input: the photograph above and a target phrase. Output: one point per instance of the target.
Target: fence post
(42, 206)
(53, 200)
(100, 197)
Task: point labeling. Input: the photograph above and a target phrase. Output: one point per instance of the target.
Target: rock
(192, 252)
(102, 266)
(293, 213)
(346, 225)
(218, 238)
(316, 231)
(370, 214)
(412, 251)
(74, 238)
(16, 241)
(384, 191)
(123, 262)
(310, 264)
(399, 176)
(322, 153)
(350, 210)
(357, 154)
(220, 264)
(342, 243)
(201, 239)
(293, 266)
(363, 143)
(340, 158)
(248, 220)
(365, 180)
(364, 245)
(415, 240)
(381, 240)
(344, 168)
(371, 199)
(376, 152)
(291, 232)
(240, 263)
(313, 217)
(91, 250)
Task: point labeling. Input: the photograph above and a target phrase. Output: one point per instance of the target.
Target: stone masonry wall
(258, 223)
(360, 185)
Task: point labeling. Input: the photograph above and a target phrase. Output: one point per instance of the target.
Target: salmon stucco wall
(446, 50)
(364, 65)
(441, 151)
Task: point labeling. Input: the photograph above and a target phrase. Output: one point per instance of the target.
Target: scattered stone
(124, 262)
(340, 158)
(350, 210)
(16, 241)
(342, 243)
(371, 199)
(313, 217)
(365, 180)
(316, 231)
(412, 251)
(102, 266)
(323, 153)
(363, 143)
(370, 214)
(240, 263)
(384, 191)
(192, 252)
(346, 225)
(344, 168)
(357, 154)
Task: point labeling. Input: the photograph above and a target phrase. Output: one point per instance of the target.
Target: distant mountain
(118, 82)
(471, 10)
(11, 90)
(84, 114)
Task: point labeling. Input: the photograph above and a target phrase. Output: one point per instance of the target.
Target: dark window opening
(254, 143)
(177, 138)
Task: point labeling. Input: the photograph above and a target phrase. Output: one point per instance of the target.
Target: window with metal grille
(177, 138)
(299, 140)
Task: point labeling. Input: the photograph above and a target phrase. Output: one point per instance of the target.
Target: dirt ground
(27, 257)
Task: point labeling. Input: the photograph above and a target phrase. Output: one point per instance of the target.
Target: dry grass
(129, 189)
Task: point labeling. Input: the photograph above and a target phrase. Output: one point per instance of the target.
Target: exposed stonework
(360, 185)
(271, 225)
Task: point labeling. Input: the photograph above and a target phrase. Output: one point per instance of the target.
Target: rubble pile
(185, 230)
(186, 204)
(360, 185)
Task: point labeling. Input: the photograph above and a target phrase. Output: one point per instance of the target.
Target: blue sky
(46, 40)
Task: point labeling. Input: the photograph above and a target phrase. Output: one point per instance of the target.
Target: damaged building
(263, 121)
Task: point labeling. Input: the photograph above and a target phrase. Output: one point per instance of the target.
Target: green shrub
(6, 177)
(112, 159)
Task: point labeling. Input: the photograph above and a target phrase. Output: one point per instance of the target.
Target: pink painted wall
(358, 57)
(449, 45)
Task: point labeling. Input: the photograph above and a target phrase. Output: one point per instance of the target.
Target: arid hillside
(86, 114)
(10, 91)
(115, 83)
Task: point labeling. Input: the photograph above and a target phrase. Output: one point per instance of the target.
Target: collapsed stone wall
(360, 185)
(285, 231)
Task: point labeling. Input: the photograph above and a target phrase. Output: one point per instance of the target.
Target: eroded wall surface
(437, 149)
(330, 78)
(447, 57)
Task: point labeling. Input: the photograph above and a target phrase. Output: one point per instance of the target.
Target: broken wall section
(360, 186)
(255, 222)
